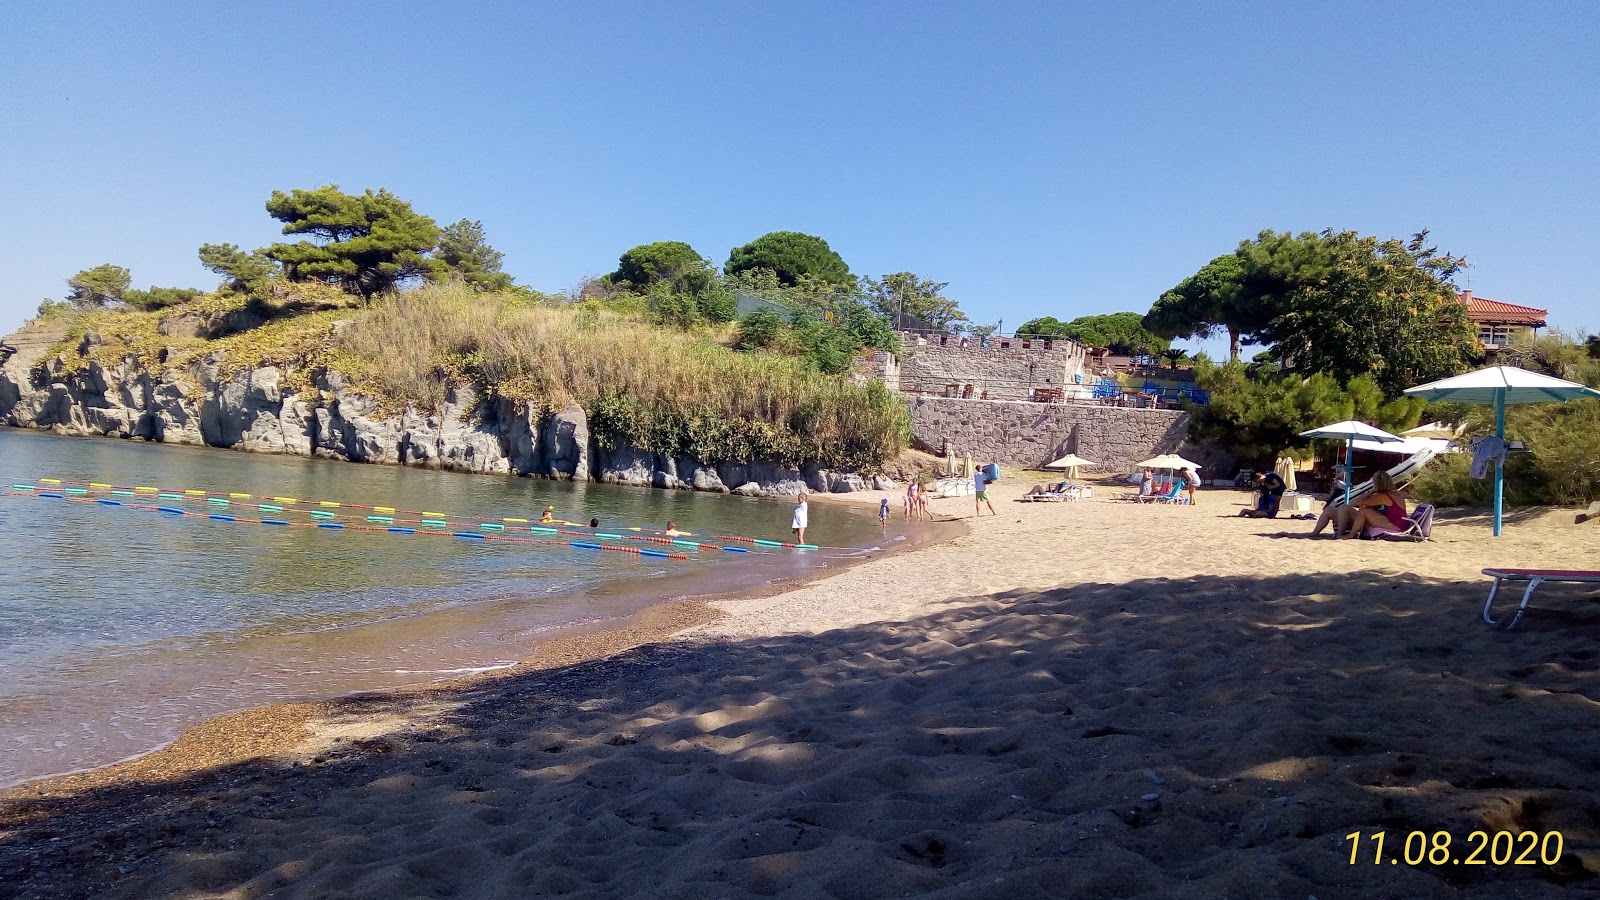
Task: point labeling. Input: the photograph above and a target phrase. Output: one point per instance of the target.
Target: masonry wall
(1032, 434)
(1004, 374)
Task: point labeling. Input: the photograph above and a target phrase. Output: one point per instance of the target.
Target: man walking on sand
(980, 481)
(801, 514)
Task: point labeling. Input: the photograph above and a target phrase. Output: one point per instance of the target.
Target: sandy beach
(1090, 699)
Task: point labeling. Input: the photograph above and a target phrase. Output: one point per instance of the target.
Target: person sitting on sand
(801, 515)
(1384, 507)
(1270, 487)
(549, 515)
(672, 530)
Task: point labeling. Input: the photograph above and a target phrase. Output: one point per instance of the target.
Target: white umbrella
(1350, 431)
(1070, 462)
(1285, 469)
(1167, 461)
(1501, 386)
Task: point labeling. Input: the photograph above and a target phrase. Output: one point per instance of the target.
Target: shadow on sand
(1203, 737)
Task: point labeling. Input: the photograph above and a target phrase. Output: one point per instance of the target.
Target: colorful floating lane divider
(426, 518)
(32, 491)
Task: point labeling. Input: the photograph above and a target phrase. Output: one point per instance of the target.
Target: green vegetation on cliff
(651, 388)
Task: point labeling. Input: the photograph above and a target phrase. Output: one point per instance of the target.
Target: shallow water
(120, 627)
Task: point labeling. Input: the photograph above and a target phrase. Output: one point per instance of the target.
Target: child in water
(549, 515)
(883, 512)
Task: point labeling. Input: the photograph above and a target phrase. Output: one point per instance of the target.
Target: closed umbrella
(1285, 470)
(1501, 386)
(1070, 462)
(1350, 431)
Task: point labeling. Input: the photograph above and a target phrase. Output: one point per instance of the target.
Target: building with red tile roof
(1499, 322)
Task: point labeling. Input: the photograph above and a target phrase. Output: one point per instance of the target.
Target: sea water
(120, 627)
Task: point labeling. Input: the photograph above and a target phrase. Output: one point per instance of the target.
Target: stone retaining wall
(1032, 434)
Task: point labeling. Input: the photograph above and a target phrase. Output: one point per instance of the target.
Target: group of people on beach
(1182, 482)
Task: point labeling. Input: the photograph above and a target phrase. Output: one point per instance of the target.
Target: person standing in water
(883, 512)
(801, 514)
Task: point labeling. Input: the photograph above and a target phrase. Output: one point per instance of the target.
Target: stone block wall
(1032, 434)
(1009, 373)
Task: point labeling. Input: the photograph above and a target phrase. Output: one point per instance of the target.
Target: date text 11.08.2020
(1481, 848)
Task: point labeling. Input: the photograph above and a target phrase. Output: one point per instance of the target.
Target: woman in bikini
(1385, 507)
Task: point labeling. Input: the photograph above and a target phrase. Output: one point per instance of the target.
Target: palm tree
(1174, 356)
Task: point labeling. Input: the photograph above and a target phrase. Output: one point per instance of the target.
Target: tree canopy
(366, 244)
(102, 285)
(907, 296)
(1122, 332)
(1350, 305)
(673, 262)
(1331, 302)
(468, 256)
(1205, 302)
(160, 297)
(791, 255)
(242, 273)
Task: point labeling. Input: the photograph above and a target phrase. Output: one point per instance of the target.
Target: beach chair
(1534, 578)
(1174, 495)
(1419, 527)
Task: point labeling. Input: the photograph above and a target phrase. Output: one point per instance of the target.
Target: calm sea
(120, 627)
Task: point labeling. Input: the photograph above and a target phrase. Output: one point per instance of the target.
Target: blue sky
(1045, 159)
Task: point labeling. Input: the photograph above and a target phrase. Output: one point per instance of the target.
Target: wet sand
(1081, 699)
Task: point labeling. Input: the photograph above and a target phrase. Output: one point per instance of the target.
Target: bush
(1258, 418)
(648, 388)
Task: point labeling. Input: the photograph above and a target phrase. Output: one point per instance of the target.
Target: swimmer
(549, 515)
(672, 530)
(594, 523)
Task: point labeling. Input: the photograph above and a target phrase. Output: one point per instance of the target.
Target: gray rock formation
(260, 411)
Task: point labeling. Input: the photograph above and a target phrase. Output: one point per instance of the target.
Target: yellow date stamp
(1438, 848)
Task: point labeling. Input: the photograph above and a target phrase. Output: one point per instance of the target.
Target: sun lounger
(1534, 578)
(1176, 495)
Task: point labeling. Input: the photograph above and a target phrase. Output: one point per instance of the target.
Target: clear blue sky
(1045, 159)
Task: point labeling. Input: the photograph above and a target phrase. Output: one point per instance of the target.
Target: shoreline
(303, 728)
(1078, 699)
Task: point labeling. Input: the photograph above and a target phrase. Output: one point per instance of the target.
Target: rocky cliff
(255, 410)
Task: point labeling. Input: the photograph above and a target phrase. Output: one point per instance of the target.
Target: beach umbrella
(1285, 470)
(1349, 432)
(1169, 461)
(1070, 462)
(1500, 387)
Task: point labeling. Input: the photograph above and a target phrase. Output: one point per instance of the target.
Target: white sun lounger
(1534, 578)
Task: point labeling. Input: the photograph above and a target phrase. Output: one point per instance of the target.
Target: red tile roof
(1493, 312)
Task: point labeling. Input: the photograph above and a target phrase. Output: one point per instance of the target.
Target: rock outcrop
(259, 411)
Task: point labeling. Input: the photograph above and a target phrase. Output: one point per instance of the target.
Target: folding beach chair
(1419, 527)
